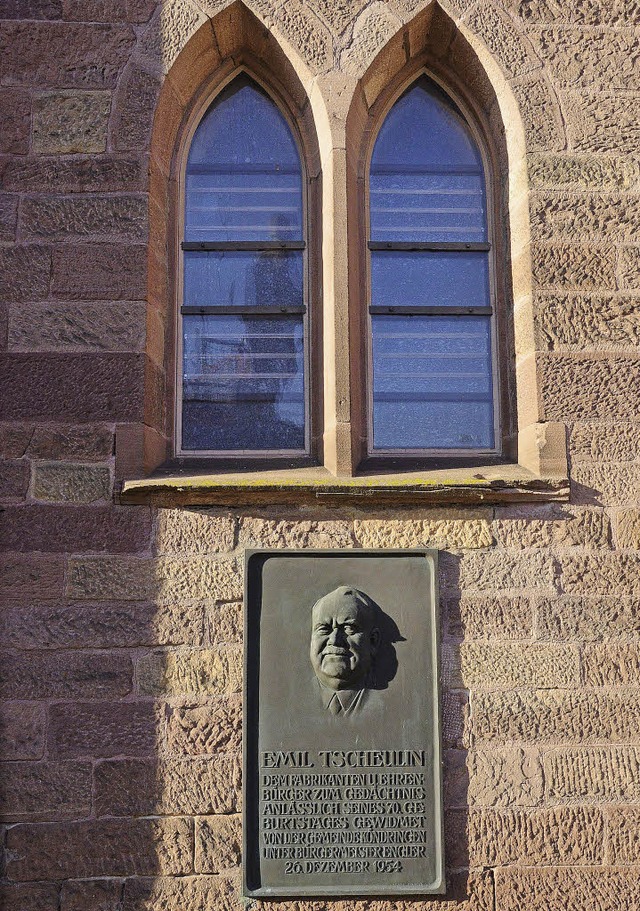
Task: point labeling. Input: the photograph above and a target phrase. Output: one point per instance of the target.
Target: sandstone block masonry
(121, 626)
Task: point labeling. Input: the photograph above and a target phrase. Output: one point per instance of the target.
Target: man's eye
(350, 629)
(323, 629)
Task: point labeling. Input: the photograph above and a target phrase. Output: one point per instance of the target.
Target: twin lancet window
(244, 377)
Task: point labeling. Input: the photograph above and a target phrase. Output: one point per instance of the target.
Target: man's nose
(337, 636)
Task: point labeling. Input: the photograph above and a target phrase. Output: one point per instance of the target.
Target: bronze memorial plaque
(342, 774)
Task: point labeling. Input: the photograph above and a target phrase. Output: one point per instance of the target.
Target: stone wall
(121, 625)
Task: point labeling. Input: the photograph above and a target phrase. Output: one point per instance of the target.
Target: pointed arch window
(432, 347)
(243, 364)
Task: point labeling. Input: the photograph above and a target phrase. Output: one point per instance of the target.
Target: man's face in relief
(343, 639)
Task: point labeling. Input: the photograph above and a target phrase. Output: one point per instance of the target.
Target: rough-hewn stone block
(582, 171)
(61, 528)
(14, 481)
(91, 895)
(506, 665)
(498, 572)
(78, 327)
(588, 619)
(602, 574)
(21, 731)
(32, 9)
(213, 727)
(44, 790)
(182, 531)
(489, 617)
(591, 58)
(299, 24)
(496, 29)
(85, 442)
(581, 322)
(629, 268)
(64, 55)
(495, 778)
(628, 529)
(567, 889)
(543, 124)
(8, 216)
(338, 14)
(172, 894)
(70, 121)
(171, 29)
(605, 485)
(561, 215)
(602, 123)
(623, 825)
(224, 622)
(573, 266)
(33, 675)
(89, 217)
(461, 531)
(265, 532)
(133, 109)
(610, 774)
(556, 716)
(611, 665)
(589, 387)
(25, 273)
(26, 576)
(86, 272)
(218, 844)
(189, 786)
(593, 442)
(80, 174)
(15, 120)
(106, 847)
(96, 730)
(29, 897)
(109, 11)
(545, 527)
(68, 482)
(198, 671)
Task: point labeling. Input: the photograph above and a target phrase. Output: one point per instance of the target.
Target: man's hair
(361, 598)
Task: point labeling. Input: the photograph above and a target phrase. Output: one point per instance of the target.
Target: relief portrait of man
(345, 641)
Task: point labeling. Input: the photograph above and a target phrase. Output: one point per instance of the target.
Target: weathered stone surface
(628, 529)
(8, 216)
(603, 123)
(556, 526)
(556, 716)
(44, 790)
(168, 32)
(543, 124)
(605, 485)
(496, 778)
(14, 481)
(15, 439)
(87, 442)
(629, 268)
(611, 665)
(561, 215)
(567, 889)
(67, 482)
(90, 174)
(338, 14)
(573, 266)
(15, 121)
(514, 52)
(78, 327)
(588, 619)
(171, 894)
(580, 322)
(218, 844)
(109, 11)
(166, 579)
(256, 531)
(188, 787)
(499, 572)
(71, 121)
(608, 774)
(490, 617)
(63, 55)
(28, 576)
(507, 665)
(25, 273)
(372, 30)
(133, 109)
(593, 442)
(214, 727)
(562, 835)
(224, 622)
(32, 9)
(58, 528)
(591, 58)
(33, 675)
(29, 897)
(302, 28)
(101, 730)
(583, 172)
(102, 625)
(181, 531)
(461, 531)
(623, 825)
(602, 574)
(21, 731)
(91, 895)
(88, 217)
(106, 847)
(199, 671)
(455, 720)
(86, 272)
(589, 387)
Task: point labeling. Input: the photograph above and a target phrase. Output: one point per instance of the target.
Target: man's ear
(374, 639)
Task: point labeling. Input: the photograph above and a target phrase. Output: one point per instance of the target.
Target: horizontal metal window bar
(381, 310)
(429, 246)
(242, 245)
(226, 310)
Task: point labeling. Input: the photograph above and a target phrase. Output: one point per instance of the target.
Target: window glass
(431, 317)
(243, 311)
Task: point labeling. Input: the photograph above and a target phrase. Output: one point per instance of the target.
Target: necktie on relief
(335, 706)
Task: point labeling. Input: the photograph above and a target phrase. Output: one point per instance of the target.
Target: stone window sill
(541, 476)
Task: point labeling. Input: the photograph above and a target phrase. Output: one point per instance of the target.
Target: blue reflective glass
(243, 383)
(243, 180)
(432, 382)
(451, 279)
(231, 278)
